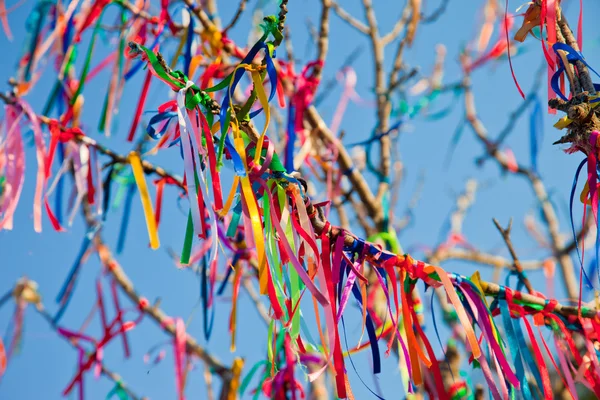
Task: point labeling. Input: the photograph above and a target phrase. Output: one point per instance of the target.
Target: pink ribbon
(40, 151)
(12, 162)
(305, 92)
(179, 343)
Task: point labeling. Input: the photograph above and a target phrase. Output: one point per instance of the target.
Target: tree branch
(517, 264)
(343, 14)
(536, 183)
(41, 309)
(236, 17)
(323, 41)
(116, 271)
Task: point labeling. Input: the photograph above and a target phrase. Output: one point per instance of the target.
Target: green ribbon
(105, 110)
(118, 391)
(176, 79)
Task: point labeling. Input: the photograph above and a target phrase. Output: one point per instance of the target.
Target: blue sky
(46, 363)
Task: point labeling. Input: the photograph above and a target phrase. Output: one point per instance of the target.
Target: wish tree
(231, 173)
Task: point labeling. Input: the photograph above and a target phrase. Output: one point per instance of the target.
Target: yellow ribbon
(583, 197)
(476, 279)
(253, 209)
(264, 102)
(194, 63)
(248, 193)
(179, 50)
(236, 180)
(460, 311)
(138, 174)
(233, 318)
(236, 370)
(214, 38)
(566, 121)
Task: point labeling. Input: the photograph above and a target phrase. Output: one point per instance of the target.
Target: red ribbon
(63, 136)
(140, 106)
(96, 356)
(160, 184)
(305, 92)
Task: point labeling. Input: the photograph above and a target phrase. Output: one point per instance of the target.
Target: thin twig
(383, 103)
(517, 264)
(482, 258)
(535, 181)
(236, 17)
(584, 75)
(438, 12)
(393, 34)
(323, 42)
(398, 58)
(343, 14)
(116, 271)
(260, 307)
(346, 165)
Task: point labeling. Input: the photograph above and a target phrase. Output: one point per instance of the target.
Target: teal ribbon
(513, 344)
(118, 391)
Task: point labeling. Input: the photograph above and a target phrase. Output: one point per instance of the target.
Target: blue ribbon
(514, 345)
(370, 331)
(352, 362)
(291, 139)
(592, 269)
(375, 137)
(66, 292)
(536, 131)
(125, 220)
(204, 297)
(224, 115)
(68, 36)
(106, 185)
(59, 185)
(223, 285)
(156, 119)
(139, 64)
(573, 189)
(187, 59)
(35, 24)
(454, 141)
(437, 334)
(572, 56)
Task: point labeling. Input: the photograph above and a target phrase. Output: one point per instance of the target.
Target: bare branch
(438, 12)
(117, 272)
(201, 14)
(236, 17)
(323, 42)
(116, 378)
(398, 58)
(537, 185)
(343, 14)
(482, 258)
(398, 26)
(517, 264)
(463, 204)
(260, 307)
(358, 181)
(584, 76)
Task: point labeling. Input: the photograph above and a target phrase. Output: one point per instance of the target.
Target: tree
(273, 200)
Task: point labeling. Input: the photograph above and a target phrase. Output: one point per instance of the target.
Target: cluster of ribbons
(265, 222)
(88, 360)
(543, 15)
(270, 202)
(24, 293)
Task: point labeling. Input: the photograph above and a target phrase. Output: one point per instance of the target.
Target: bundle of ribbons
(266, 222)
